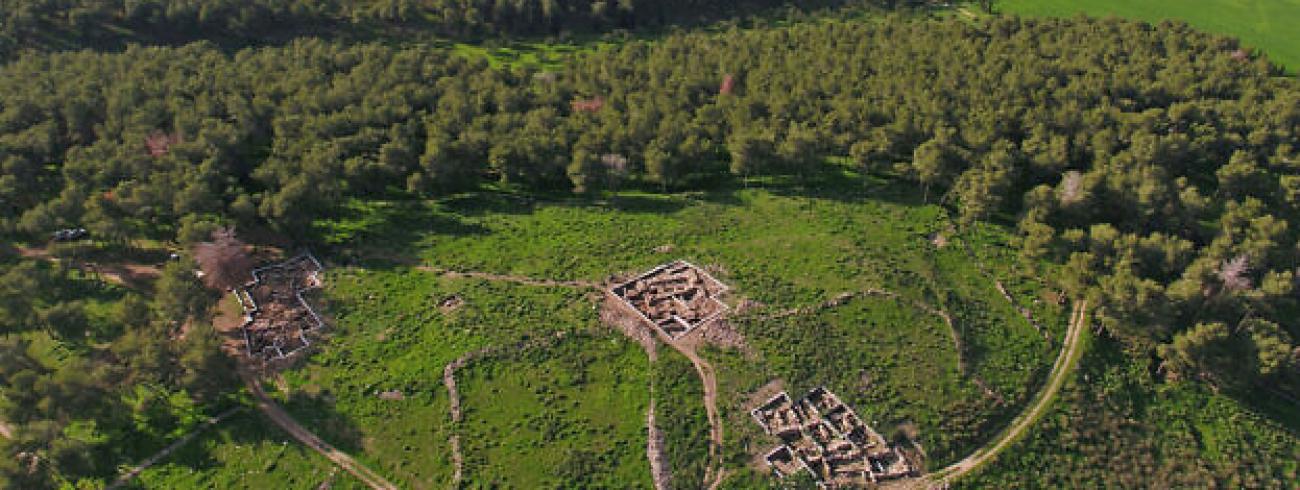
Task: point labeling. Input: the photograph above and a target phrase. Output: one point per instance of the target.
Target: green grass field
(391, 335)
(571, 415)
(681, 418)
(245, 451)
(782, 243)
(1269, 25)
(1114, 427)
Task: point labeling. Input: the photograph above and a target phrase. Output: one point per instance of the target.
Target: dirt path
(660, 473)
(525, 280)
(171, 448)
(714, 474)
(687, 344)
(286, 422)
(453, 405)
(1060, 372)
(125, 274)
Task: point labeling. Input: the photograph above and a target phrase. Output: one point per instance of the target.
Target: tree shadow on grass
(834, 182)
(249, 429)
(384, 233)
(487, 202)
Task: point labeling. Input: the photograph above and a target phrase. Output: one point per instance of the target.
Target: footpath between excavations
(654, 450)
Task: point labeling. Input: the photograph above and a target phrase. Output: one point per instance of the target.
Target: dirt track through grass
(281, 418)
(1060, 372)
(715, 474)
(171, 448)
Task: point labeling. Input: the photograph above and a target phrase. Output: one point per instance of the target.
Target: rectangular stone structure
(676, 298)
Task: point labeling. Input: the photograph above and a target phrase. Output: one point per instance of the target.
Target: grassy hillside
(779, 243)
(245, 451)
(1269, 25)
(1112, 427)
(565, 416)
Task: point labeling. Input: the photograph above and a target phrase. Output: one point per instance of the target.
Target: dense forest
(54, 24)
(1160, 167)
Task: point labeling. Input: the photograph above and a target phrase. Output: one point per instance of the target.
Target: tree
(1242, 177)
(930, 162)
(750, 152)
(179, 295)
(873, 154)
(1199, 353)
(66, 321)
(207, 371)
(1272, 344)
(583, 169)
(615, 168)
(17, 313)
(980, 190)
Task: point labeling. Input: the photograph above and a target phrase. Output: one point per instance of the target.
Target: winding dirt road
(713, 475)
(286, 422)
(1060, 372)
(686, 345)
(125, 274)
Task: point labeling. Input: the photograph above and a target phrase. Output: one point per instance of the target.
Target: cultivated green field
(1269, 25)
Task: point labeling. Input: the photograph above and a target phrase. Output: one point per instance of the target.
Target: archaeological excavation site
(277, 320)
(676, 298)
(818, 433)
(825, 437)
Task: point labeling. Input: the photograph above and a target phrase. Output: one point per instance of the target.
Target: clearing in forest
(1268, 25)
(897, 365)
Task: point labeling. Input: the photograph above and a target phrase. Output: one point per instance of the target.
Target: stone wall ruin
(277, 320)
(676, 298)
(822, 435)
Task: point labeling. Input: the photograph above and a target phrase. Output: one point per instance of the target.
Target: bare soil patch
(615, 314)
